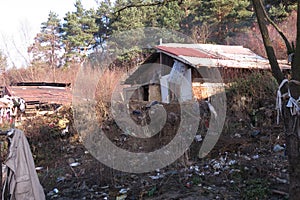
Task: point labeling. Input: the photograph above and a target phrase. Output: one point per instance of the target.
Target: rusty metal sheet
(185, 51)
(43, 94)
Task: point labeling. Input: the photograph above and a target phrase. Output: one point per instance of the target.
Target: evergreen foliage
(47, 45)
(85, 32)
(79, 31)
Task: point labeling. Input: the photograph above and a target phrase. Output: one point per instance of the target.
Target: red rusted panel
(184, 51)
(43, 94)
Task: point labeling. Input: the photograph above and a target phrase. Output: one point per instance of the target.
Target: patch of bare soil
(247, 162)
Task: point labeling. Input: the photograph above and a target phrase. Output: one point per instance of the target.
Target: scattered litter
(208, 188)
(232, 162)
(217, 166)
(188, 184)
(53, 193)
(63, 123)
(123, 190)
(196, 168)
(152, 104)
(212, 109)
(247, 158)
(39, 168)
(74, 164)
(122, 197)
(127, 132)
(217, 173)
(60, 179)
(137, 112)
(278, 137)
(255, 133)
(224, 169)
(55, 190)
(65, 131)
(280, 180)
(103, 194)
(158, 176)
(71, 160)
(278, 148)
(198, 138)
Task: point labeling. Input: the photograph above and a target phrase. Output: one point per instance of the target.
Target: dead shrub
(110, 79)
(41, 74)
(251, 99)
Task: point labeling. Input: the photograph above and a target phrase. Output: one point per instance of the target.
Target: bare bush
(202, 33)
(41, 73)
(110, 78)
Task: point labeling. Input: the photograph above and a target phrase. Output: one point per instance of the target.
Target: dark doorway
(146, 93)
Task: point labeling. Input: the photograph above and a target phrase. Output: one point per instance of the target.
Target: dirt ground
(248, 162)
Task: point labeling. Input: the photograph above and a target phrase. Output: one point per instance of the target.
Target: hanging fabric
(293, 104)
(22, 180)
(177, 72)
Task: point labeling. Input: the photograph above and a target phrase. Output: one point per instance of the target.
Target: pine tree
(47, 47)
(79, 29)
(222, 17)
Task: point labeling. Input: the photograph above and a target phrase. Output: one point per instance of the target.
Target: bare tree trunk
(292, 123)
(262, 22)
(296, 60)
(292, 131)
(291, 120)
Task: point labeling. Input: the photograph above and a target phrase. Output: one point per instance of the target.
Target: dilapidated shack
(191, 71)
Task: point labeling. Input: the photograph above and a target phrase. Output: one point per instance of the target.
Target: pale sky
(20, 21)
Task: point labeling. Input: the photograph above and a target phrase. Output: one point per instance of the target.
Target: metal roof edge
(179, 59)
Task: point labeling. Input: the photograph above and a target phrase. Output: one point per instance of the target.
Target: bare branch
(4, 41)
(262, 21)
(286, 41)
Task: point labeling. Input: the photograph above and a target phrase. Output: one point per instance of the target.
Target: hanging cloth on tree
(293, 104)
(22, 180)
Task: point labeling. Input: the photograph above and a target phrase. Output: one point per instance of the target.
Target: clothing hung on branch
(21, 181)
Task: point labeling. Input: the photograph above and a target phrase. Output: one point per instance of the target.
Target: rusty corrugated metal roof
(42, 94)
(185, 51)
(202, 55)
(213, 55)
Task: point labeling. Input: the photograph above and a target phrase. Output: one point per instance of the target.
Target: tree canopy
(47, 45)
(85, 31)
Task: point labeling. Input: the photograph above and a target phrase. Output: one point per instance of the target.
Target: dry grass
(41, 74)
(110, 79)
